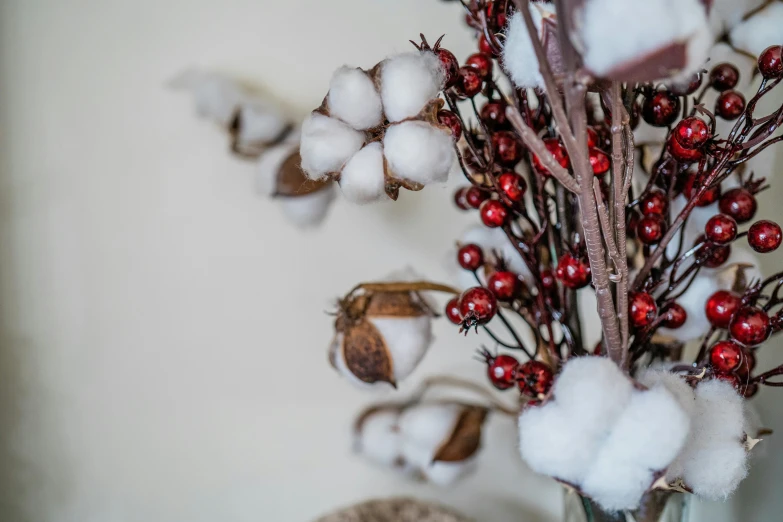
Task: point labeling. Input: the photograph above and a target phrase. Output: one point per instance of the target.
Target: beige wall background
(163, 330)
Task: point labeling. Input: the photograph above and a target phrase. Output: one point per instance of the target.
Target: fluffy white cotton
(217, 97)
(362, 179)
(675, 384)
(617, 32)
(519, 57)
(260, 122)
(447, 473)
(725, 14)
(761, 30)
(309, 210)
(327, 144)
(716, 472)
(353, 99)
(429, 426)
(419, 152)
(408, 82)
(270, 161)
(407, 339)
(379, 438)
(720, 411)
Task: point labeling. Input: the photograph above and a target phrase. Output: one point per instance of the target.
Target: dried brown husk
(465, 439)
(291, 181)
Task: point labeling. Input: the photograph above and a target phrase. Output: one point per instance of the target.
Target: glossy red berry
(726, 356)
(470, 257)
(477, 306)
(593, 140)
(513, 186)
(493, 114)
(750, 326)
(721, 229)
(674, 316)
(682, 154)
(450, 66)
(720, 308)
(508, 150)
(534, 378)
(558, 150)
(600, 162)
(547, 280)
(654, 203)
(573, 272)
(661, 109)
(716, 255)
(493, 213)
(460, 198)
(451, 120)
(496, 14)
(724, 76)
(764, 236)
(483, 45)
(730, 105)
(469, 83)
(650, 229)
(747, 364)
(692, 133)
(642, 309)
(740, 204)
(505, 285)
(771, 62)
(452, 311)
(482, 63)
(502, 371)
(475, 196)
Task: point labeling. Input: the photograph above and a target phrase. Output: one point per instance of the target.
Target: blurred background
(163, 332)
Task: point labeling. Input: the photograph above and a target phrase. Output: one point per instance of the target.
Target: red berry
(674, 316)
(505, 285)
(534, 378)
(452, 311)
(650, 229)
(508, 150)
(477, 306)
(750, 326)
(661, 109)
(738, 203)
(482, 63)
(771, 62)
(600, 162)
(748, 363)
(642, 309)
(493, 213)
(460, 200)
(692, 133)
(558, 151)
(717, 255)
(547, 279)
(450, 66)
(513, 186)
(470, 257)
(494, 13)
(593, 140)
(720, 308)
(654, 203)
(633, 222)
(721, 229)
(502, 371)
(726, 356)
(750, 390)
(469, 83)
(574, 273)
(451, 120)
(730, 105)
(724, 76)
(493, 114)
(475, 196)
(682, 154)
(666, 168)
(764, 236)
(483, 45)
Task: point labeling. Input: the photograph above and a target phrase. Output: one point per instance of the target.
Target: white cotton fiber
(720, 410)
(715, 472)
(429, 426)
(407, 339)
(362, 179)
(408, 82)
(447, 473)
(725, 14)
(616, 32)
(309, 210)
(419, 152)
(617, 485)
(379, 438)
(675, 384)
(353, 99)
(327, 144)
(519, 57)
(763, 29)
(260, 122)
(216, 96)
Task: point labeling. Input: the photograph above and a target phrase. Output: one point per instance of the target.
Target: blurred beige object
(395, 510)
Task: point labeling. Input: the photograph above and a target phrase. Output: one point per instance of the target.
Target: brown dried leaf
(660, 63)
(466, 437)
(366, 354)
(292, 182)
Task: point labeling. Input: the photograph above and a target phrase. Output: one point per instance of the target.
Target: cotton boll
(739, 256)
(353, 99)
(675, 384)
(327, 144)
(429, 425)
(715, 472)
(407, 339)
(260, 122)
(720, 411)
(693, 301)
(379, 438)
(419, 152)
(216, 96)
(617, 486)
(408, 82)
(519, 57)
(728, 13)
(308, 210)
(447, 473)
(362, 180)
(270, 163)
(337, 360)
(761, 30)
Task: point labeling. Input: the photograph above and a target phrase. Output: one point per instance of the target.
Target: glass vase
(657, 506)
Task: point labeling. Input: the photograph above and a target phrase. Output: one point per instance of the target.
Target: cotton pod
(327, 143)
(380, 337)
(363, 179)
(519, 57)
(419, 152)
(408, 82)
(726, 14)
(353, 98)
(643, 40)
(258, 123)
(761, 30)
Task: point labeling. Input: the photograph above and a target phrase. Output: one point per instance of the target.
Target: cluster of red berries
(533, 378)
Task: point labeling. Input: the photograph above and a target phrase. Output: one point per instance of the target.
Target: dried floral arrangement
(608, 147)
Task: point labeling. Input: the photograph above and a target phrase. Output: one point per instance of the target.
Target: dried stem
(413, 286)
